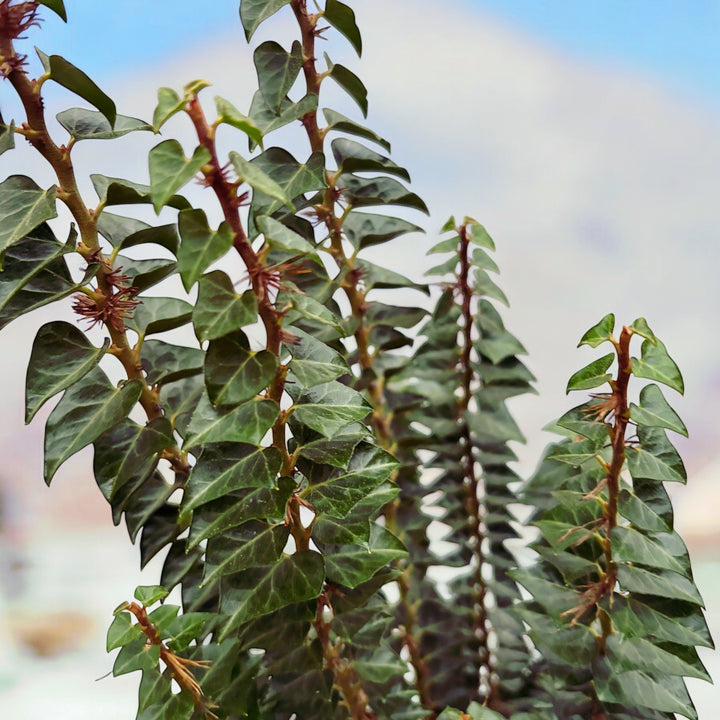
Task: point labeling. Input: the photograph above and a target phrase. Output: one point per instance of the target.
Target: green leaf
(234, 373)
(67, 75)
(364, 229)
(252, 544)
(592, 375)
(635, 689)
(85, 124)
(121, 631)
(254, 176)
(259, 591)
(200, 245)
(268, 120)
(277, 70)
(150, 594)
(376, 276)
(230, 115)
(281, 237)
(655, 411)
(663, 583)
(7, 135)
(169, 103)
(364, 192)
(170, 170)
(23, 206)
(633, 547)
(86, 410)
(656, 364)
(61, 356)
(219, 309)
(164, 363)
(159, 314)
(352, 157)
(245, 423)
(349, 82)
(336, 492)
(600, 333)
(336, 452)
(254, 12)
(144, 274)
(340, 123)
(350, 565)
(56, 6)
(330, 407)
(124, 232)
(640, 327)
(136, 655)
(479, 235)
(225, 467)
(313, 361)
(655, 458)
(116, 191)
(342, 18)
(303, 306)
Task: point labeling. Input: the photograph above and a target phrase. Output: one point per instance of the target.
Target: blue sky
(677, 41)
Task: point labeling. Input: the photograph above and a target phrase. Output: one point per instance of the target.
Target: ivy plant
(326, 422)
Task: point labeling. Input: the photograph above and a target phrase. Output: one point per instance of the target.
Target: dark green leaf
(61, 356)
(277, 70)
(363, 192)
(655, 458)
(340, 123)
(225, 467)
(246, 423)
(313, 361)
(219, 309)
(281, 237)
(259, 591)
(158, 314)
(591, 375)
(7, 136)
(257, 179)
(342, 18)
(234, 373)
(330, 407)
(200, 245)
(85, 124)
(143, 274)
(350, 83)
(352, 157)
(267, 120)
(170, 170)
(116, 191)
(23, 206)
(254, 12)
(663, 583)
(136, 655)
(656, 364)
(655, 411)
(57, 6)
(631, 546)
(121, 631)
(67, 75)
(364, 230)
(164, 363)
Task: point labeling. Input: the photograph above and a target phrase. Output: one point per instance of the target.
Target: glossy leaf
(170, 170)
(136, 655)
(85, 411)
(23, 206)
(259, 591)
(592, 375)
(200, 245)
(342, 18)
(281, 237)
(116, 191)
(150, 594)
(600, 333)
(121, 631)
(655, 411)
(61, 356)
(85, 124)
(364, 229)
(67, 75)
(164, 363)
(219, 309)
(352, 157)
(655, 458)
(330, 407)
(234, 373)
(350, 83)
(313, 361)
(340, 123)
(364, 192)
(656, 364)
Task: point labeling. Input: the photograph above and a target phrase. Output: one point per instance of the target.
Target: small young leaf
(592, 375)
(277, 70)
(656, 364)
(169, 104)
(61, 356)
(170, 170)
(342, 18)
(479, 236)
(67, 75)
(150, 594)
(121, 631)
(655, 411)
(349, 82)
(254, 12)
(600, 333)
(640, 327)
(230, 115)
(23, 206)
(200, 245)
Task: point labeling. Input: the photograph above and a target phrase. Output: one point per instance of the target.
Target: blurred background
(584, 136)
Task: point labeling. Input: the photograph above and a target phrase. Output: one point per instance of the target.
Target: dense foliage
(299, 457)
